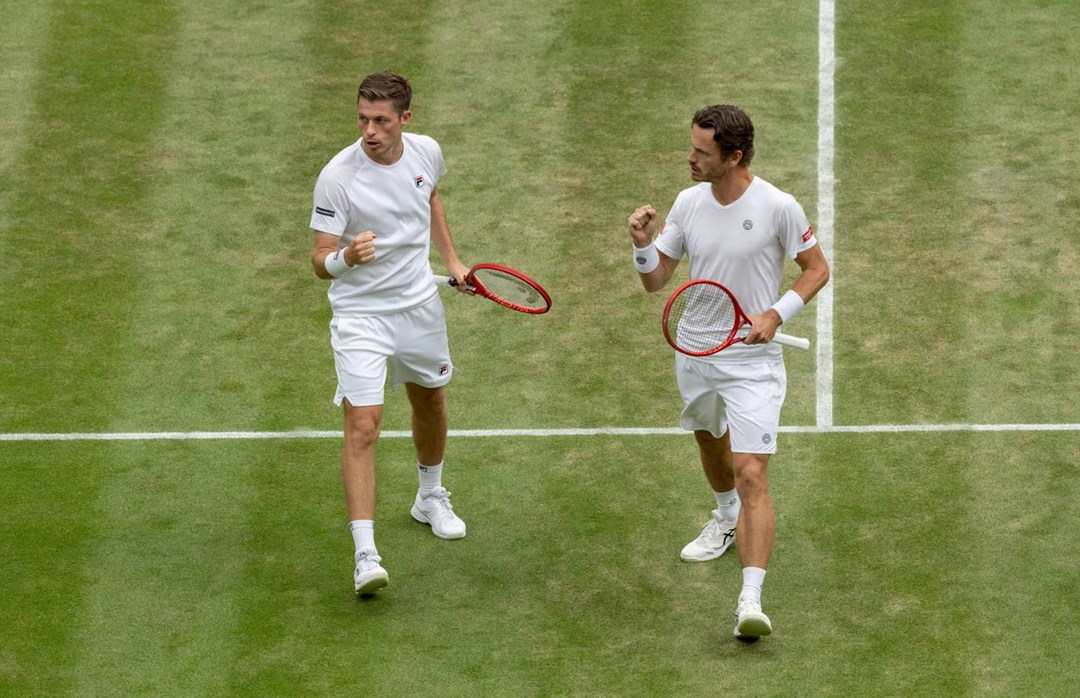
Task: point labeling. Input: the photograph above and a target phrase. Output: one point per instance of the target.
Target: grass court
(157, 162)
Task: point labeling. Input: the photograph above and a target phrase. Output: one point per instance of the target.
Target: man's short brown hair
(386, 86)
(731, 127)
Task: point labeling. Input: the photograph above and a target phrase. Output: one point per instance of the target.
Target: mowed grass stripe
(900, 348)
(1020, 585)
(171, 558)
(75, 196)
(1020, 158)
(75, 204)
(48, 526)
(22, 35)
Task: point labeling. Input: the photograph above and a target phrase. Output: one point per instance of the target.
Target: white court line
(478, 433)
(824, 230)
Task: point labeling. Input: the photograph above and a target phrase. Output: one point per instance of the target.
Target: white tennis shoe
(436, 511)
(750, 622)
(715, 538)
(369, 575)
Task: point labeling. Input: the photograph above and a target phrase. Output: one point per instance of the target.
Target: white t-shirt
(353, 194)
(741, 245)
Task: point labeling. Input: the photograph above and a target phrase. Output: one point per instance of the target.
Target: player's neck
(729, 188)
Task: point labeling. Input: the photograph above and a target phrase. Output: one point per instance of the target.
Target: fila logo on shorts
(443, 369)
(419, 181)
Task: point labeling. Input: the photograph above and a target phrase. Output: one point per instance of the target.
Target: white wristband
(788, 306)
(646, 259)
(335, 264)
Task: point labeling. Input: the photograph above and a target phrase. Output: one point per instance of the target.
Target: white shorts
(745, 396)
(413, 342)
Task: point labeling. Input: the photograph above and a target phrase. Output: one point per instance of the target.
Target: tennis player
(735, 229)
(376, 211)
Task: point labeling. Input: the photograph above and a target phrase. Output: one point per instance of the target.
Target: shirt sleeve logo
(808, 234)
(324, 212)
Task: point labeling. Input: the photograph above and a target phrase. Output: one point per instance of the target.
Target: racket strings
(510, 288)
(703, 316)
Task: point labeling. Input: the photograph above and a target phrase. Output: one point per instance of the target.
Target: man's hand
(643, 225)
(764, 327)
(361, 250)
(459, 271)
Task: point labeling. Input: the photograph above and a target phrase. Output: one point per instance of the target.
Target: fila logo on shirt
(419, 181)
(808, 234)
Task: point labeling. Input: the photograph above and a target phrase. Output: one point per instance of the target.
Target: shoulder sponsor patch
(324, 211)
(808, 234)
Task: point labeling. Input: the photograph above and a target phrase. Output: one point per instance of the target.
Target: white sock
(363, 534)
(752, 579)
(728, 504)
(430, 478)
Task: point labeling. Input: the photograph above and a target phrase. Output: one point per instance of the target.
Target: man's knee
(751, 476)
(362, 426)
(426, 400)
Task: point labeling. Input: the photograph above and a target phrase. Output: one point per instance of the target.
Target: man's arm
(440, 236)
(642, 227)
(360, 251)
(814, 276)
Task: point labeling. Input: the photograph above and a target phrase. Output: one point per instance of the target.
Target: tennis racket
(702, 317)
(507, 287)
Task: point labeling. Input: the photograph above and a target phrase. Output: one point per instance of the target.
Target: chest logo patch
(419, 181)
(747, 224)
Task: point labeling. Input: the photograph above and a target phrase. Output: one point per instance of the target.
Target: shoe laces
(366, 560)
(439, 503)
(747, 605)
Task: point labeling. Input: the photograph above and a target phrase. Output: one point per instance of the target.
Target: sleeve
(794, 230)
(438, 165)
(671, 240)
(330, 211)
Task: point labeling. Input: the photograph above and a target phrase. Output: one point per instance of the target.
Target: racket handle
(788, 341)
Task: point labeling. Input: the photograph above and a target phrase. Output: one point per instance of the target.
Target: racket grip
(789, 341)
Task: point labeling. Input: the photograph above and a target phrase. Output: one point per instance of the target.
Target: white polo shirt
(353, 194)
(741, 245)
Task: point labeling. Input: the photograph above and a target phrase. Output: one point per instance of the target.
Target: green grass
(157, 162)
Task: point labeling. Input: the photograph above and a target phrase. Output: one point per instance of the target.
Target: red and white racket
(507, 287)
(702, 317)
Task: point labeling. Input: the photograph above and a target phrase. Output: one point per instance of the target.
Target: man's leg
(756, 530)
(358, 475)
(362, 425)
(719, 533)
(716, 460)
(429, 423)
(757, 523)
